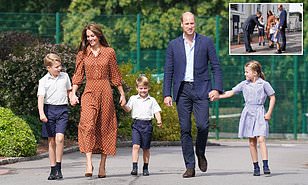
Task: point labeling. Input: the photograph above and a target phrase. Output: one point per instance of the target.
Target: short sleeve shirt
(54, 89)
(254, 93)
(143, 108)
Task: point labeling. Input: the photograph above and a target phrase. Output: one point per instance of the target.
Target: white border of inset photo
(239, 12)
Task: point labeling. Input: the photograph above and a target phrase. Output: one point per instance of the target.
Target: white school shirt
(262, 23)
(273, 29)
(143, 108)
(54, 89)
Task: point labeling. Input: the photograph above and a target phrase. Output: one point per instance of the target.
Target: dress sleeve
(79, 70)
(68, 82)
(238, 88)
(114, 72)
(268, 89)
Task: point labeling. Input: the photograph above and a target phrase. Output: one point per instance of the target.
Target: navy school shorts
(57, 116)
(261, 32)
(142, 133)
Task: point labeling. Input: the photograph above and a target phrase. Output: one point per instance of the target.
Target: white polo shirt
(143, 108)
(54, 89)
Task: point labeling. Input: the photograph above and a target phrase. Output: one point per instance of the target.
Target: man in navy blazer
(283, 26)
(248, 28)
(187, 80)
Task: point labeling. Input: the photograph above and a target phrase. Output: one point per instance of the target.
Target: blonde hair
(142, 80)
(256, 66)
(50, 59)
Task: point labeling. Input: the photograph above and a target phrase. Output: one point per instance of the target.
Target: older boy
(53, 92)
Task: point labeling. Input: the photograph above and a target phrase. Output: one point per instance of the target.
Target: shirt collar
(258, 81)
(49, 76)
(193, 38)
(139, 97)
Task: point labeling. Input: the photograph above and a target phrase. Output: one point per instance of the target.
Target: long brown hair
(269, 12)
(97, 30)
(256, 66)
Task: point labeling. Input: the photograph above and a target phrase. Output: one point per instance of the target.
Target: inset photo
(266, 29)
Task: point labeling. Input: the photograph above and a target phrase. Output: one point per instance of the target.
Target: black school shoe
(134, 171)
(251, 51)
(52, 176)
(146, 172)
(266, 170)
(256, 172)
(59, 174)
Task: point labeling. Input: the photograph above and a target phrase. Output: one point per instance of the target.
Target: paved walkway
(229, 164)
(294, 46)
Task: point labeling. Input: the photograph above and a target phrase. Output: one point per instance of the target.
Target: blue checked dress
(252, 122)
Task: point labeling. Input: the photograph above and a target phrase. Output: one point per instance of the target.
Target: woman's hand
(122, 100)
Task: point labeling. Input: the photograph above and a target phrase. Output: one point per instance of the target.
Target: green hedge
(16, 137)
(35, 125)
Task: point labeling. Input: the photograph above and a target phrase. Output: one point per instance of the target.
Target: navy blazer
(283, 19)
(174, 70)
(251, 23)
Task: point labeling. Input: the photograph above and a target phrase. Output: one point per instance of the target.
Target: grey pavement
(294, 46)
(229, 164)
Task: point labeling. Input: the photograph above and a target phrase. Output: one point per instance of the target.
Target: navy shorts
(142, 133)
(261, 32)
(57, 116)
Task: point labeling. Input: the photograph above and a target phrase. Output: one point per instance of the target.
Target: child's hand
(267, 116)
(159, 124)
(43, 118)
(74, 100)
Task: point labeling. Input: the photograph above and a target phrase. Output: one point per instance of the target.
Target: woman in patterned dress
(270, 21)
(254, 119)
(97, 129)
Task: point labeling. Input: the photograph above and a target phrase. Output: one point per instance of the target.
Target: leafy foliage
(20, 76)
(15, 42)
(73, 24)
(16, 137)
(35, 125)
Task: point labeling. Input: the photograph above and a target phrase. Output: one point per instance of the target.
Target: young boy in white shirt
(53, 92)
(143, 108)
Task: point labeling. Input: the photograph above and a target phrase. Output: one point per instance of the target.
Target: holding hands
(214, 95)
(168, 101)
(74, 99)
(122, 100)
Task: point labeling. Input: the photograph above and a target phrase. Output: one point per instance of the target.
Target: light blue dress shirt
(189, 52)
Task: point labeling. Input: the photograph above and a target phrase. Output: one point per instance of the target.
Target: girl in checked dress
(254, 118)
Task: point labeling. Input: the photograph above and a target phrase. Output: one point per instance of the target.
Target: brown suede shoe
(190, 172)
(202, 163)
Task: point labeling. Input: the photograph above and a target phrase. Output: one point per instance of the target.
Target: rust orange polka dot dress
(97, 129)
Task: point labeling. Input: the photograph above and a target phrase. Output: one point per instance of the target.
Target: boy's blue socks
(145, 166)
(265, 163)
(256, 165)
